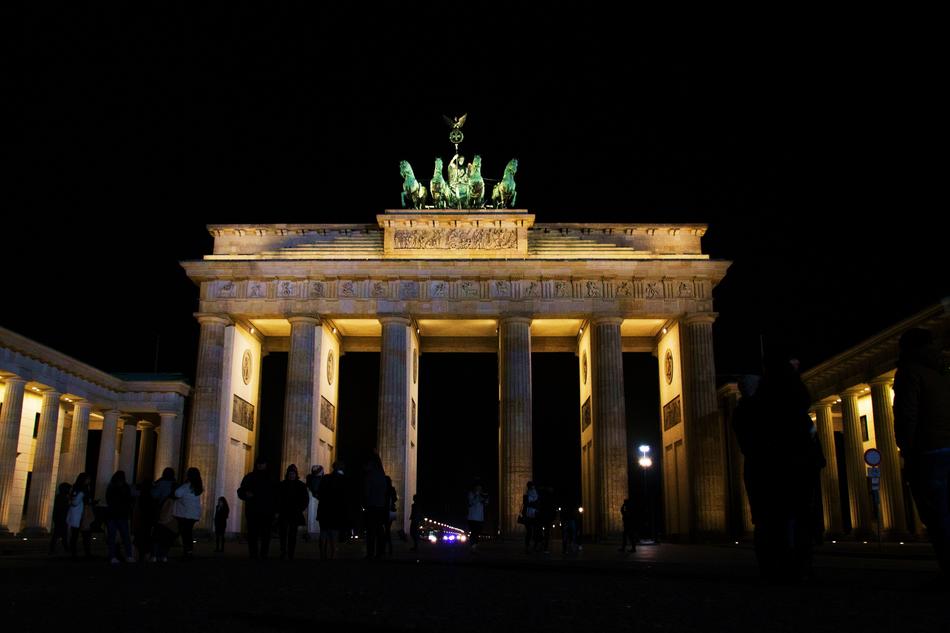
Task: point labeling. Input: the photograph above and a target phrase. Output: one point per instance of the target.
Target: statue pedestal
(454, 234)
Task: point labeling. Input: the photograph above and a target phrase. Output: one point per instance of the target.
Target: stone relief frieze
(623, 289)
(468, 289)
(227, 290)
(501, 289)
(408, 290)
(685, 289)
(256, 290)
(438, 289)
(653, 290)
(593, 289)
(380, 289)
(286, 289)
(531, 289)
(318, 289)
(456, 239)
(348, 289)
(562, 289)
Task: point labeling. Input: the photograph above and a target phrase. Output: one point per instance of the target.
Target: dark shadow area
(556, 425)
(358, 409)
(642, 400)
(271, 419)
(458, 434)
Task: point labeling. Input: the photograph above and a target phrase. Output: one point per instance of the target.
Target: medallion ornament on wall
(330, 368)
(668, 367)
(246, 361)
(415, 365)
(584, 366)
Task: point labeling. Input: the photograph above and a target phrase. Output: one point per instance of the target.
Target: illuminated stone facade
(421, 282)
(50, 402)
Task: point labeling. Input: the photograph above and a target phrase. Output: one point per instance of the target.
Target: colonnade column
(858, 497)
(299, 400)
(106, 466)
(204, 434)
(705, 445)
(41, 483)
(10, 415)
(394, 386)
(830, 496)
(168, 447)
(77, 441)
(609, 423)
(146, 465)
(127, 451)
(893, 516)
(515, 451)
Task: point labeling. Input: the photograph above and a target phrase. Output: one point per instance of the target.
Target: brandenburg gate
(436, 279)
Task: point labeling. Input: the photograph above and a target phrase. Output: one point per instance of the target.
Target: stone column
(609, 424)
(858, 497)
(394, 382)
(705, 445)
(40, 503)
(10, 416)
(299, 400)
(168, 449)
(77, 442)
(514, 376)
(893, 516)
(146, 465)
(106, 467)
(830, 496)
(204, 433)
(127, 451)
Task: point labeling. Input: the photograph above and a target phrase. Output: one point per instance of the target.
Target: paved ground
(660, 588)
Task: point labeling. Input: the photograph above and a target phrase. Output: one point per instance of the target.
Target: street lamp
(646, 462)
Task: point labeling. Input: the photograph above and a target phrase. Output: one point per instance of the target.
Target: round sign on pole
(872, 457)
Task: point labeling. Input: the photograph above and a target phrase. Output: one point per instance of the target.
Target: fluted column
(168, 448)
(394, 403)
(77, 442)
(204, 433)
(892, 493)
(514, 376)
(146, 465)
(106, 465)
(705, 445)
(10, 416)
(299, 400)
(609, 423)
(858, 497)
(127, 450)
(41, 484)
(830, 495)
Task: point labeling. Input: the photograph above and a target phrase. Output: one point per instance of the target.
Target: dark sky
(131, 129)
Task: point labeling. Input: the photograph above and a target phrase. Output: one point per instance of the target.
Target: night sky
(131, 130)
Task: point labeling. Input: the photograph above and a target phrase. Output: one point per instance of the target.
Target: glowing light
(581, 510)
(334, 330)
(664, 330)
(253, 330)
(834, 542)
(901, 543)
(737, 542)
(644, 448)
(645, 462)
(865, 542)
(433, 538)
(463, 538)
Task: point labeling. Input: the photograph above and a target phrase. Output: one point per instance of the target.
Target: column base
(34, 531)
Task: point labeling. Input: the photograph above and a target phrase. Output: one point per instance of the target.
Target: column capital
(882, 381)
(82, 404)
(144, 425)
(207, 317)
(608, 320)
(51, 394)
(14, 380)
(825, 403)
(128, 420)
(305, 319)
(167, 415)
(852, 391)
(398, 319)
(515, 318)
(699, 317)
(112, 413)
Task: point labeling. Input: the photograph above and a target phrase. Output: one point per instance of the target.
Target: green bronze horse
(438, 188)
(411, 187)
(476, 193)
(503, 195)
